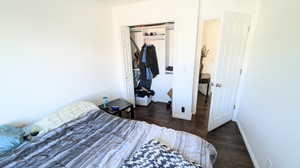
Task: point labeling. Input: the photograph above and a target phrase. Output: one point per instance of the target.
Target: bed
(100, 140)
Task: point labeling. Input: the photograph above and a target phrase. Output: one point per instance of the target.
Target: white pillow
(64, 115)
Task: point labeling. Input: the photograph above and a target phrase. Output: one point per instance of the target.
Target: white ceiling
(120, 2)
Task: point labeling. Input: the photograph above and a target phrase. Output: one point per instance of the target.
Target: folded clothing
(142, 92)
(10, 138)
(155, 154)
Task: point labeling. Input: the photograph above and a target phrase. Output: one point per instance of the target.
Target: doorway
(211, 30)
(223, 43)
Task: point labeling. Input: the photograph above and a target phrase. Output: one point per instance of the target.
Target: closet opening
(152, 52)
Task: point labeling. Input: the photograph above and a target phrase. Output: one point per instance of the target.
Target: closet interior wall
(164, 45)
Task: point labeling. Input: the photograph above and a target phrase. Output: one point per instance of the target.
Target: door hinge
(249, 28)
(234, 107)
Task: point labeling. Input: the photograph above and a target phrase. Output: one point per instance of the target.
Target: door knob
(218, 85)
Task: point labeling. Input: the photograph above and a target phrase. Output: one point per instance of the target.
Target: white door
(231, 51)
(127, 59)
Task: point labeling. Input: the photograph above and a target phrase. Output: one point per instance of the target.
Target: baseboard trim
(253, 158)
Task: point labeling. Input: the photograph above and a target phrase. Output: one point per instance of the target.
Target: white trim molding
(250, 151)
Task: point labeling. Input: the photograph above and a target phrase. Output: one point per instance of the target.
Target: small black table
(205, 78)
(122, 104)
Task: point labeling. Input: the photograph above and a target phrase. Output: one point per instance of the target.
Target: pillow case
(10, 138)
(32, 129)
(156, 154)
(62, 116)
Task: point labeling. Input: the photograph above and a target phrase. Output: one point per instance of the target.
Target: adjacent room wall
(185, 16)
(210, 39)
(53, 53)
(269, 109)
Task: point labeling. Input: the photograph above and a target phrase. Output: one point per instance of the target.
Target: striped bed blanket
(100, 140)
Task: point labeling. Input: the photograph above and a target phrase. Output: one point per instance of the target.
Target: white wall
(211, 9)
(52, 53)
(185, 16)
(269, 109)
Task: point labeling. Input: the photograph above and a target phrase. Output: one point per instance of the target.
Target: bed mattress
(100, 140)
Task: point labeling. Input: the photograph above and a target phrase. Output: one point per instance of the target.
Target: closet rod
(151, 25)
(135, 30)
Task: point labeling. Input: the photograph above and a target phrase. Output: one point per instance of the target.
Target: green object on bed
(10, 138)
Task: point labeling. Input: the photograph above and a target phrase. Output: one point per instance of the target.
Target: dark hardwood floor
(232, 152)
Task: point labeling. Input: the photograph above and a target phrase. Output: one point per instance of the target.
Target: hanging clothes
(146, 81)
(145, 84)
(148, 64)
(149, 75)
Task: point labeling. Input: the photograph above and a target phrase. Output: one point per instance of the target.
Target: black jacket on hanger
(151, 61)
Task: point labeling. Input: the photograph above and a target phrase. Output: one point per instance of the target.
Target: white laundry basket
(143, 101)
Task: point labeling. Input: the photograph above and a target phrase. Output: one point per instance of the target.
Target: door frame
(125, 60)
(127, 70)
(198, 66)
